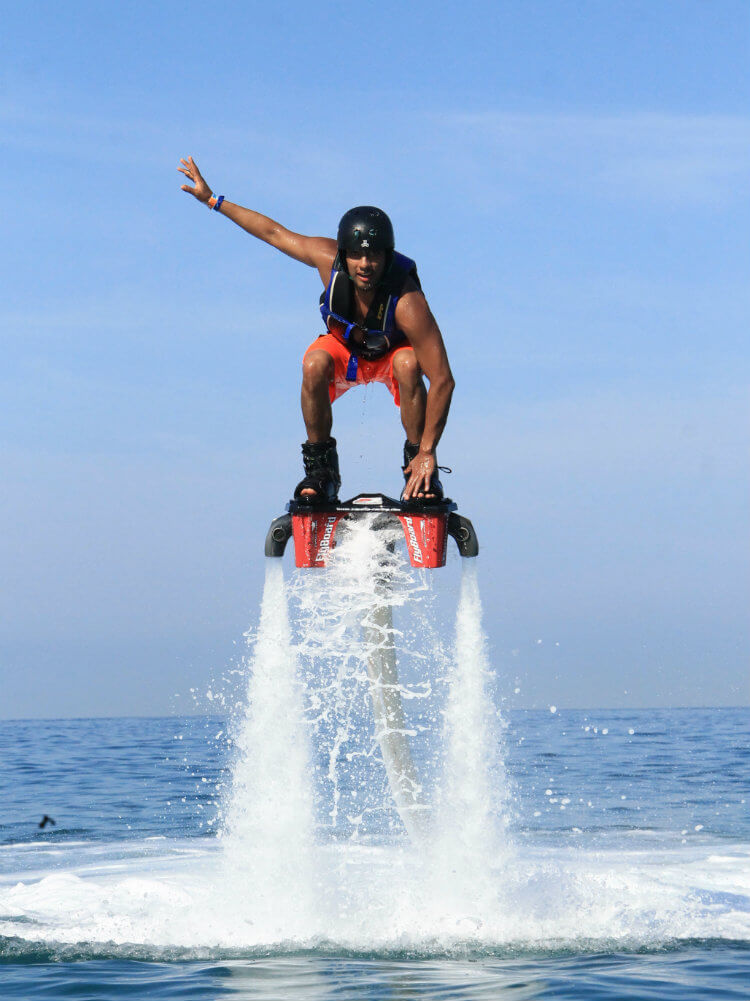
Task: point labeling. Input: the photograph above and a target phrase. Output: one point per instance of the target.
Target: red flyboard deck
(426, 529)
(314, 536)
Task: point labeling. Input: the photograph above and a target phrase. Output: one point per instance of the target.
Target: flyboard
(426, 530)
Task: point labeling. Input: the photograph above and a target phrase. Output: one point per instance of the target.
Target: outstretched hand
(420, 470)
(201, 190)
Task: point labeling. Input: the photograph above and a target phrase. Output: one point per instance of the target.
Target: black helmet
(365, 228)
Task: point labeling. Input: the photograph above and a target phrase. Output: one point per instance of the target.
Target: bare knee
(406, 370)
(317, 368)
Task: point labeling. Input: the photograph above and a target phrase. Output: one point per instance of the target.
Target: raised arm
(415, 318)
(315, 251)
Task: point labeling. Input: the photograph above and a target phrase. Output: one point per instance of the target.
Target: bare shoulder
(413, 314)
(317, 251)
(322, 250)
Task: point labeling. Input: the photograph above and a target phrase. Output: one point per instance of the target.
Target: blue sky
(572, 178)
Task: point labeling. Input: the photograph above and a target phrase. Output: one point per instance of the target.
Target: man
(380, 329)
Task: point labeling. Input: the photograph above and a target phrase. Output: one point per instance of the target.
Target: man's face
(365, 268)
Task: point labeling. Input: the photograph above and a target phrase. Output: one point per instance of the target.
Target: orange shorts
(367, 371)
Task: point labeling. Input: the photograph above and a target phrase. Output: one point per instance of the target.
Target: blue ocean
(263, 851)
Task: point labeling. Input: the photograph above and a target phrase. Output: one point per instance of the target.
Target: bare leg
(317, 373)
(413, 394)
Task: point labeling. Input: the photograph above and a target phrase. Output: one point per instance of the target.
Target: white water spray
(377, 737)
(349, 655)
(470, 816)
(269, 827)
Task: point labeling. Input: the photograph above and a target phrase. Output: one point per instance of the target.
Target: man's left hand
(420, 471)
(201, 190)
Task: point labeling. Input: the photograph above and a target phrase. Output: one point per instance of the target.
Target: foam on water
(312, 854)
(378, 900)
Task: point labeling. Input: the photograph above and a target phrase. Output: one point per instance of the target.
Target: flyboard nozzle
(278, 535)
(462, 530)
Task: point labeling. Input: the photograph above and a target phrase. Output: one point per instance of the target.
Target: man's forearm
(436, 413)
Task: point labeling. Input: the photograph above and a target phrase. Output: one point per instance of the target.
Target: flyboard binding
(426, 529)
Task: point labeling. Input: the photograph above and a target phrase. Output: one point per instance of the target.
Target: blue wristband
(219, 200)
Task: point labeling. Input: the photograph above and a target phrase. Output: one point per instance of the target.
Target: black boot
(436, 487)
(321, 473)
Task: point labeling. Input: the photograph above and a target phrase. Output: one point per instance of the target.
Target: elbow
(447, 385)
(442, 383)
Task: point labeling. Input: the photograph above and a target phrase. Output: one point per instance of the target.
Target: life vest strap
(349, 326)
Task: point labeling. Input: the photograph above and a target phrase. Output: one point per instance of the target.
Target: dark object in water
(46, 820)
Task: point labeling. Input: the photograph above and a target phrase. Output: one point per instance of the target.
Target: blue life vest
(379, 333)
